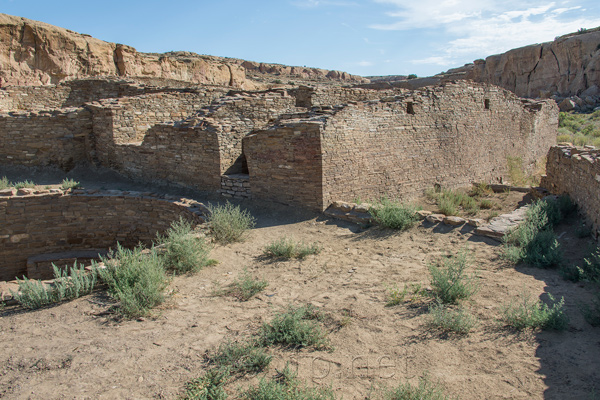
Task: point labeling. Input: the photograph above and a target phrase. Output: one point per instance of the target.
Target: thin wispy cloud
(320, 3)
(479, 28)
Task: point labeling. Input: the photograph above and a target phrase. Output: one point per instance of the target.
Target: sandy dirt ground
(75, 351)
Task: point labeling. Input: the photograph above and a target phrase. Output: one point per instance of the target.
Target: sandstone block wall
(31, 225)
(53, 137)
(285, 164)
(576, 171)
(452, 135)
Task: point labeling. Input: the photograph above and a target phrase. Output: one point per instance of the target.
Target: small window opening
(486, 104)
(410, 109)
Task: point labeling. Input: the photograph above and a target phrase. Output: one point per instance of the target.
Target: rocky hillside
(36, 53)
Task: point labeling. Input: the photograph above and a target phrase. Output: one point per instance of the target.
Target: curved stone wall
(52, 221)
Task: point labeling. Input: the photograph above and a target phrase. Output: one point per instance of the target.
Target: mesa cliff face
(36, 53)
(568, 66)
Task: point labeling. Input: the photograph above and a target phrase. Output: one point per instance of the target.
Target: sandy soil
(75, 351)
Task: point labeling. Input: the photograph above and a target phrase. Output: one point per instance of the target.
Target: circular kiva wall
(34, 223)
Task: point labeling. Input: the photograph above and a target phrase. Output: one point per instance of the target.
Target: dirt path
(72, 351)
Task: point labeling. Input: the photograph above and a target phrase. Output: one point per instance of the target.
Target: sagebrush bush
(525, 312)
(136, 280)
(245, 286)
(410, 293)
(449, 279)
(295, 327)
(183, 251)
(289, 248)
(588, 272)
(424, 390)
(286, 386)
(208, 387)
(4, 183)
(69, 184)
(240, 357)
(394, 215)
(229, 223)
(543, 251)
(69, 284)
(449, 320)
(24, 184)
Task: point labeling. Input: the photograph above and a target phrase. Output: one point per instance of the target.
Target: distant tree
(412, 76)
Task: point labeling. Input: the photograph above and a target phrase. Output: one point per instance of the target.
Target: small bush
(4, 183)
(543, 251)
(564, 138)
(245, 287)
(289, 248)
(486, 204)
(589, 272)
(396, 296)
(229, 223)
(451, 321)
(184, 252)
(529, 313)
(481, 189)
(425, 390)
(208, 387)
(285, 386)
(394, 215)
(24, 184)
(135, 279)
(68, 284)
(296, 328)
(242, 358)
(69, 184)
(449, 280)
(591, 312)
(447, 206)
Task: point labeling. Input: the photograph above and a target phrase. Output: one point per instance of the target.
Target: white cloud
(478, 28)
(365, 63)
(319, 3)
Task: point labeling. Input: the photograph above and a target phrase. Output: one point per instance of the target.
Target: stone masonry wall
(53, 137)
(331, 96)
(285, 164)
(32, 224)
(576, 171)
(452, 135)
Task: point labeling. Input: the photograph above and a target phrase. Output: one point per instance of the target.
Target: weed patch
(208, 387)
(135, 279)
(449, 279)
(68, 284)
(245, 287)
(411, 293)
(184, 252)
(451, 321)
(296, 328)
(289, 248)
(394, 215)
(424, 390)
(526, 312)
(24, 184)
(229, 223)
(240, 358)
(69, 184)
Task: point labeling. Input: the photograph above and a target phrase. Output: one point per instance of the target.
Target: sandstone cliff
(568, 66)
(36, 53)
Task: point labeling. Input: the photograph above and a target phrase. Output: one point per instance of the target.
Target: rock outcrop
(36, 53)
(568, 66)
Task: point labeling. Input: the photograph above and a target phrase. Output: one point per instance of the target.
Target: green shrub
(589, 272)
(396, 296)
(486, 204)
(564, 138)
(447, 206)
(4, 183)
(208, 387)
(24, 184)
(69, 184)
(245, 287)
(285, 386)
(394, 215)
(296, 328)
(451, 321)
(543, 251)
(425, 390)
(135, 279)
(183, 252)
(229, 223)
(449, 281)
(242, 358)
(591, 312)
(68, 284)
(529, 313)
(289, 248)
(481, 189)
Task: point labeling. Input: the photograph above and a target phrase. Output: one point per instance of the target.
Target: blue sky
(367, 37)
